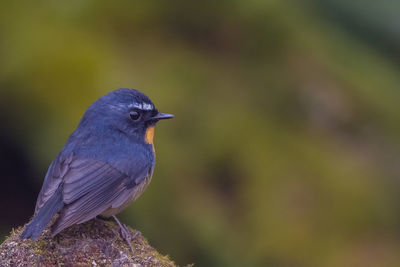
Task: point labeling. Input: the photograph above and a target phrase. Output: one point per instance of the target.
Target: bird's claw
(125, 233)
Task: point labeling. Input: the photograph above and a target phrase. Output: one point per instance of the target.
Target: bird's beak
(162, 116)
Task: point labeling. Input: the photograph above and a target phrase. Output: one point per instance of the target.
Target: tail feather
(44, 215)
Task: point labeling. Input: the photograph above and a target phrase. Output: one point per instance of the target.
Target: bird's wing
(53, 179)
(89, 187)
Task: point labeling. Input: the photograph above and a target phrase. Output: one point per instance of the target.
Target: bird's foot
(126, 234)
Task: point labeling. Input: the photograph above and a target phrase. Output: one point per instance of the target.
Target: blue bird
(106, 164)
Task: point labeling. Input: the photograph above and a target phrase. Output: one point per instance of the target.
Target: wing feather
(57, 169)
(90, 205)
(89, 187)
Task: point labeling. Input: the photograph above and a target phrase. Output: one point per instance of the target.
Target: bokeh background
(285, 146)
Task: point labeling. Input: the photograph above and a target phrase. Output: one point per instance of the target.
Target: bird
(105, 165)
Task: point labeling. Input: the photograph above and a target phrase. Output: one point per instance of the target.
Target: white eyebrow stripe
(142, 106)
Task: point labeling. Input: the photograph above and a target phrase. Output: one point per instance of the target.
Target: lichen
(94, 243)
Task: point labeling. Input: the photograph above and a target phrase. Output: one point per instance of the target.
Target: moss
(95, 243)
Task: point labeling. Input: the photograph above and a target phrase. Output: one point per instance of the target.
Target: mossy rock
(94, 243)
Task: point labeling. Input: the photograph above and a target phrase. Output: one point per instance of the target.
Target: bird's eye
(134, 115)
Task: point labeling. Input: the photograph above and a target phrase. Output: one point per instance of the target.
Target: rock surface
(94, 243)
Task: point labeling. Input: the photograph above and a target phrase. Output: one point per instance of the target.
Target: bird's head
(126, 110)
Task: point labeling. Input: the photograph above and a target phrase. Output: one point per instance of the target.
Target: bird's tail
(44, 215)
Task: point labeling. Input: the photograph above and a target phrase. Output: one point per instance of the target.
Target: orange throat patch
(149, 135)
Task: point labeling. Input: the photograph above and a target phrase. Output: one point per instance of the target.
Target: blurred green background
(285, 146)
